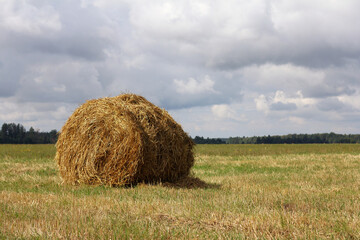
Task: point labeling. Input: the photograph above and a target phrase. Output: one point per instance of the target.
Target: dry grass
(281, 196)
(120, 141)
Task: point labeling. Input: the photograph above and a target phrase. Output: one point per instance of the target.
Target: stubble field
(236, 192)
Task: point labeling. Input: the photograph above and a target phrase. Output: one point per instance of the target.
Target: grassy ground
(246, 191)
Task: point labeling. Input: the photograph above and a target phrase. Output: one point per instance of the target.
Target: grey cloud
(328, 90)
(253, 34)
(32, 52)
(324, 56)
(330, 104)
(79, 34)
(45, 116)
(279, 106)
(225, 92)
(77, 44)
(311, 83)
(279, 51)
(90, 49)
(156, 82)
(9, 83)
(9, 75)
(67, 82)
(179, 101)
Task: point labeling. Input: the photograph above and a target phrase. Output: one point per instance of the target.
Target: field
(236, 192)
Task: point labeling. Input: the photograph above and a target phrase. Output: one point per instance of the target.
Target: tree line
(327, 138)
(17, 134)
(297, 139)
(202, 140)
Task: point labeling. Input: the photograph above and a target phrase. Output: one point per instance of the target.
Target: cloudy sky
(221, 68)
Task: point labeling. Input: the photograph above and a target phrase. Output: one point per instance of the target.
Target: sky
(220, 68)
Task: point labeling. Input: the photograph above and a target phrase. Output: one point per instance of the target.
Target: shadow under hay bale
(120, 141)
(191, 183)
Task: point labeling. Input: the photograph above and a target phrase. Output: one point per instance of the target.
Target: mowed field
(236, 192)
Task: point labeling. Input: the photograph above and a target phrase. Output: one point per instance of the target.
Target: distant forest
(284, 139)
(298, 139)
(202, 140)
(17, 134)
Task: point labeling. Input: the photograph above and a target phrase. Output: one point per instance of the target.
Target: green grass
(275, 149)
(252, 191)
(27, 152)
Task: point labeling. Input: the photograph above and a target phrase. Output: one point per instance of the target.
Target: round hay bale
(122, 140)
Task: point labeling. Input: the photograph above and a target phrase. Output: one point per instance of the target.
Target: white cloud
(22, 17)
(66, 82)
(193, 86)
(234, 34)
(298, 99)
(226, 112)
(289, 77)
(297, 120)
(262, 104)
(222, 111)
(45, 116)
(60, 88)
(60, 113)
(353, 101)
(330, 22)
(255, 67)
(278, 101)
